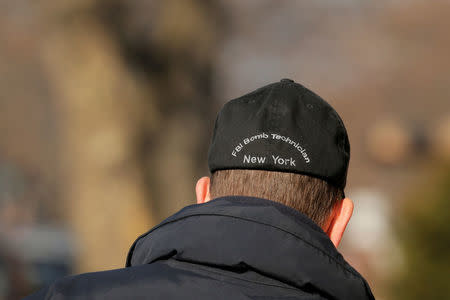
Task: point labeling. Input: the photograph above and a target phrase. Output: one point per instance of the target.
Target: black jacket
(229, 248)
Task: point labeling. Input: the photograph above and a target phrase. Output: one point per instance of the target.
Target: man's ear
(202, 190)
(342, 212)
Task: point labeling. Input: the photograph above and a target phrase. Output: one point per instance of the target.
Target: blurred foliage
(425, 239)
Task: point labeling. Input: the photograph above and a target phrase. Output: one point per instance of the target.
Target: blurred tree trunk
(187, 33)
(99, 106)
(172, 44)
(135, 105)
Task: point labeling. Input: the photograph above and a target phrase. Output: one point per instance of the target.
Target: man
(267, 223)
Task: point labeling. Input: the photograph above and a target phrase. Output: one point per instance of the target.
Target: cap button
(286, 80)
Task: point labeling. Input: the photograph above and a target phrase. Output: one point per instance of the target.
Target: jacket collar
(264, 235)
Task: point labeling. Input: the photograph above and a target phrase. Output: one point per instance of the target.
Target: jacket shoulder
(165, 280)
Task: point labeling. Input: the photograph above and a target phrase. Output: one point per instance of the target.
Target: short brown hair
(311, 196)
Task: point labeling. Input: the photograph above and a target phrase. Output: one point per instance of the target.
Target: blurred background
(107, 107)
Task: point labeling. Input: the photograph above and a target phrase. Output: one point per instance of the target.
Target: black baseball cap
(281, 127)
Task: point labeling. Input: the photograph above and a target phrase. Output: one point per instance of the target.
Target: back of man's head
(311, 196)
(284, 143)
